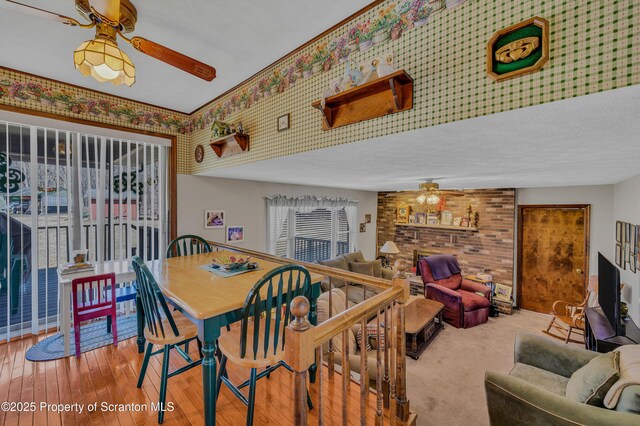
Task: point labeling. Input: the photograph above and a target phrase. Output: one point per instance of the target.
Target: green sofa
(533, 393)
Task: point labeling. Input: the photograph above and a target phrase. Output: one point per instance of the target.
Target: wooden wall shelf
(377, 98)
(241, 139)
(448, 227)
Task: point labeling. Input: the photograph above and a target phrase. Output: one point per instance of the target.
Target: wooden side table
(423, 322)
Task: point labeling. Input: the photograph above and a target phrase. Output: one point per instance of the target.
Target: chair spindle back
(93, 292)
(153, 303)
(282, 285)
(187, 245)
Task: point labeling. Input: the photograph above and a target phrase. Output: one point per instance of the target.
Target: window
(310, 229)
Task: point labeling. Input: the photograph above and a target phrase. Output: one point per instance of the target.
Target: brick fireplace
(490, 247)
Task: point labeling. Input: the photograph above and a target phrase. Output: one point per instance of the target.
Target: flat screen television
(609, 293)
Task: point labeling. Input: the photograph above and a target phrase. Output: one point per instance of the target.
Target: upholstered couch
(534, 392)
(466, 303)
(355, 262)
(338, 305)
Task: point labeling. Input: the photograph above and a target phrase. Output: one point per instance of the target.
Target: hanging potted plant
(63, 98)
(319, 56)
(307, 67)
(398, 28)
(381, 26)
(354, 38)
(299, 66)
(76, 107)
(47, 98)
(34, 90)
(342, 51)
(92, 107)
(365, 36)
(3, 92)
(419, 13)
(274, 82)
(17, 91)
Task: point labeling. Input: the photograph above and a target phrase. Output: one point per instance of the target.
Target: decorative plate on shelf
(199, 153)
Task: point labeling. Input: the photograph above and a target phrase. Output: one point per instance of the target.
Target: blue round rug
(92, 336)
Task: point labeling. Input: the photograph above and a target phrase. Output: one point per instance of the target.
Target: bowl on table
(230, 263)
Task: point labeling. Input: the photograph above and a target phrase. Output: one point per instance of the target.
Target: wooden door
(553, 255)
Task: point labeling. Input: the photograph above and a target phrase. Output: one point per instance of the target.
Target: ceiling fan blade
(174, 58)
(41, 13)
(110, 9)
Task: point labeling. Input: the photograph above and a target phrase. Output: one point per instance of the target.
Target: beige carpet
(446, 385)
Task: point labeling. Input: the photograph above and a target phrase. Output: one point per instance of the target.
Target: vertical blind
(62, 191)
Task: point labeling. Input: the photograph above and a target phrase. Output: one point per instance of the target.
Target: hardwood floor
(108, 375)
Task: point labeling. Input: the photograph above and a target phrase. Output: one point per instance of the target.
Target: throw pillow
(591, 383)
(354, 257)
(339, 263)
(375, 337)
(365, 268)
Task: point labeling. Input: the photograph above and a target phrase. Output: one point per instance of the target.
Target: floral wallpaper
(389, 24)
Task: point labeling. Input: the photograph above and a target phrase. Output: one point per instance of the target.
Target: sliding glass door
(62, 191)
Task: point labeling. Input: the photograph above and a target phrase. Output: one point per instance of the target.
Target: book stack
(74, 268)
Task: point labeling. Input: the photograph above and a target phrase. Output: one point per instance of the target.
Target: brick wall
(490, 247)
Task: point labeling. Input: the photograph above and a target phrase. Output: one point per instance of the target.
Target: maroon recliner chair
(463, 307)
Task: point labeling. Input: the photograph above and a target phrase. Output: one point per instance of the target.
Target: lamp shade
(103, 60)
(389, 248)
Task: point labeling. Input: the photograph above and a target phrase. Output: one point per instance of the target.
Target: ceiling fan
(432, 194)
(100, 57)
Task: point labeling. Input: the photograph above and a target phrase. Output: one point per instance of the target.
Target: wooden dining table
(212, 301)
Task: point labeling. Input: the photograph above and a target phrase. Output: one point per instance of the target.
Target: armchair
(534, 391)
(568, 317)
(466, 303)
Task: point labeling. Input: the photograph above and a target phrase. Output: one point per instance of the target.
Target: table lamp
(389, 248)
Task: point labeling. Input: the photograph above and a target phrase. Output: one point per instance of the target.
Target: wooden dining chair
(162, 328)
(186, 245)
(94, 297)
(257, 341)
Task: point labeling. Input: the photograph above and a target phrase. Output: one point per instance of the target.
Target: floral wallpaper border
(389, 24)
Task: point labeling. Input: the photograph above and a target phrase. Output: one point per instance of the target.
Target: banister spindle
(392, 362)
(379, 367)
(300, 354)
(364, 372)
(320, 386)
(385, 379)
(331, 352)
(400, 280)
(346, 377)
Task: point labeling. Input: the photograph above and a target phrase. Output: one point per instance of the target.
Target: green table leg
(208, 332)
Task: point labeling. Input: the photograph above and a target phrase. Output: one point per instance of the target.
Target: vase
(317, 67)
(380, 36)
(266, 93)
(113, 115)
(420, 22)
(365, 45)
(307, 73)
(60, 104)
(123, 117)
(327, 66)
(46, 102)
(353, 45)
(273, 90)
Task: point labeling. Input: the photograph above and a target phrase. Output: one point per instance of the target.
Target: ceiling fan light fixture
(421, 198)
(103, 60)
(433, 199)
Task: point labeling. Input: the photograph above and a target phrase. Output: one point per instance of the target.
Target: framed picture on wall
(619, 256)
(619, 230)
(235, 234)
(402, 213)
(213, 219)
(633, 264)
(446, 217)
(421, 218)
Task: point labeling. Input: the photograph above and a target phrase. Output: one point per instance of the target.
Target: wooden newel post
(299, 355)
(402, 404)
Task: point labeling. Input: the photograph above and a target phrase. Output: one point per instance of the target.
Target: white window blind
(310, 228)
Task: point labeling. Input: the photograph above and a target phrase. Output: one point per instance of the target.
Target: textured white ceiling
(237, 37)
(588, 140)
